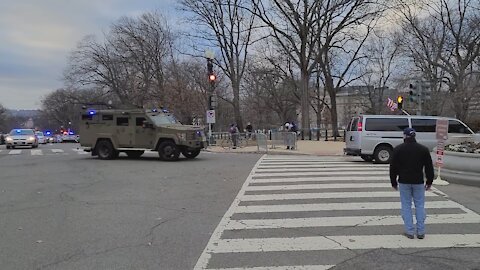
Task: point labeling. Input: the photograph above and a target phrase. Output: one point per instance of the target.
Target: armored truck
(107, 132)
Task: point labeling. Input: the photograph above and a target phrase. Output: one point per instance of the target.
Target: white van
(373, 137)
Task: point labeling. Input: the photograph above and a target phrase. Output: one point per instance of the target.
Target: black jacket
(408, 161)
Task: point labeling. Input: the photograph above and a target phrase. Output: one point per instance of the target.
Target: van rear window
(386, 124)
(353, 126)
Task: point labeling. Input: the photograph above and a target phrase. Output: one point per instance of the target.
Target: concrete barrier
(461, 168)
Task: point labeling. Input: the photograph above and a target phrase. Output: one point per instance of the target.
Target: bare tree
(64, 106)
(3, 118)
(128, 63)
(344, 29)
(382, 66)
(227, 26)
(444, 46)
(272, 91)
(327, 35)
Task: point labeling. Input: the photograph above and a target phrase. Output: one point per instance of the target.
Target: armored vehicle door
(144, 133)
(124, 130)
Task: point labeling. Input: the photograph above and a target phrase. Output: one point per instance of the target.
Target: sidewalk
(317, 148)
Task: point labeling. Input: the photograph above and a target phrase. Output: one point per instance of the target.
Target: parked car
(70, 138)
(21, 137)
(373, 137)
(41, 137)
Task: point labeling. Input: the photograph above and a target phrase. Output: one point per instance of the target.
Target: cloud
(37, 36)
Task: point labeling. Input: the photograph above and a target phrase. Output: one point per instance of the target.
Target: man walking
(408, 162)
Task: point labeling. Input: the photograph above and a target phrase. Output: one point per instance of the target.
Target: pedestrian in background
(234, 134)
(249, 129)
(410, 159)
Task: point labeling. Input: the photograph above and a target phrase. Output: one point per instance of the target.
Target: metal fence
(286, 139)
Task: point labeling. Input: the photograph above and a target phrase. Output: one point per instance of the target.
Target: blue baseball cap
(409, 132)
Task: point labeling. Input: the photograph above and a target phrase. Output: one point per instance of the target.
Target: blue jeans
(415, 192)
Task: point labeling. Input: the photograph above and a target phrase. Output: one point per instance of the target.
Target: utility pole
(420, 89)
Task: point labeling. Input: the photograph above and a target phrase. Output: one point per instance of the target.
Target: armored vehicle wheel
(191, 153)
(134, 154)
(168, 150)
(105, 150)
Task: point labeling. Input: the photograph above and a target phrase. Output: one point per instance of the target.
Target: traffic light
(211, 75)
(411, 93)
(400, 102)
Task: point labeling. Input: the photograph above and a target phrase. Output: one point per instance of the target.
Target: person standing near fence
(234, 134)
(249, 129)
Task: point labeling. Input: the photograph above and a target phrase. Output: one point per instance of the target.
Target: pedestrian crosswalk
(42, 152)
(314, 213)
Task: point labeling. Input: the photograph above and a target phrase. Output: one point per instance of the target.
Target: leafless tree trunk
(227, 26)
(319, 32)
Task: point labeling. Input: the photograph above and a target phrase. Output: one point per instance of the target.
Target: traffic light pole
(420, 88)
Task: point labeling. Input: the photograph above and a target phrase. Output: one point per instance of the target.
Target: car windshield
(163, 119)
(39, 134)
(21, 132)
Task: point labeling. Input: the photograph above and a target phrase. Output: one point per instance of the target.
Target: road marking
(367, 173)
(329, 195)
(15, 152)
(318, 179)
(216, 235)
(320, 165)
(313, 169)
(57, 151)
(342, 242)
(290, 267)
(289, 176)
(337, 206)
(346, 221)
(320, 186)
(36, 152)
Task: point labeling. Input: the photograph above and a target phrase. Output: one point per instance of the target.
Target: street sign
(442, 129)
(211, 116)
(439, 160)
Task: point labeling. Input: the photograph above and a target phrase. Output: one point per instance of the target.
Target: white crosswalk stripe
(58, 151)
(295, 192)
(36, 152)
(15, 152)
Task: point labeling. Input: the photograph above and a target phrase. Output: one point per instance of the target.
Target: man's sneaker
(409, 236)
(421, 236)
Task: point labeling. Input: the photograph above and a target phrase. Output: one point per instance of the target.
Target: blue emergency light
(92, 112)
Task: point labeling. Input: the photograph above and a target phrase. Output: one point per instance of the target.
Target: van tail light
(359, 126)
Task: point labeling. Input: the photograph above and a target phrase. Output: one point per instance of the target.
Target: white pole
(438, 181)
(209, 133)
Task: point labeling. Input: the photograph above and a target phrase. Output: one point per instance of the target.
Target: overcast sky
(37, 36)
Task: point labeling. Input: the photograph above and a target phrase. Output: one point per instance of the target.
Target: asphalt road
(62, 209)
